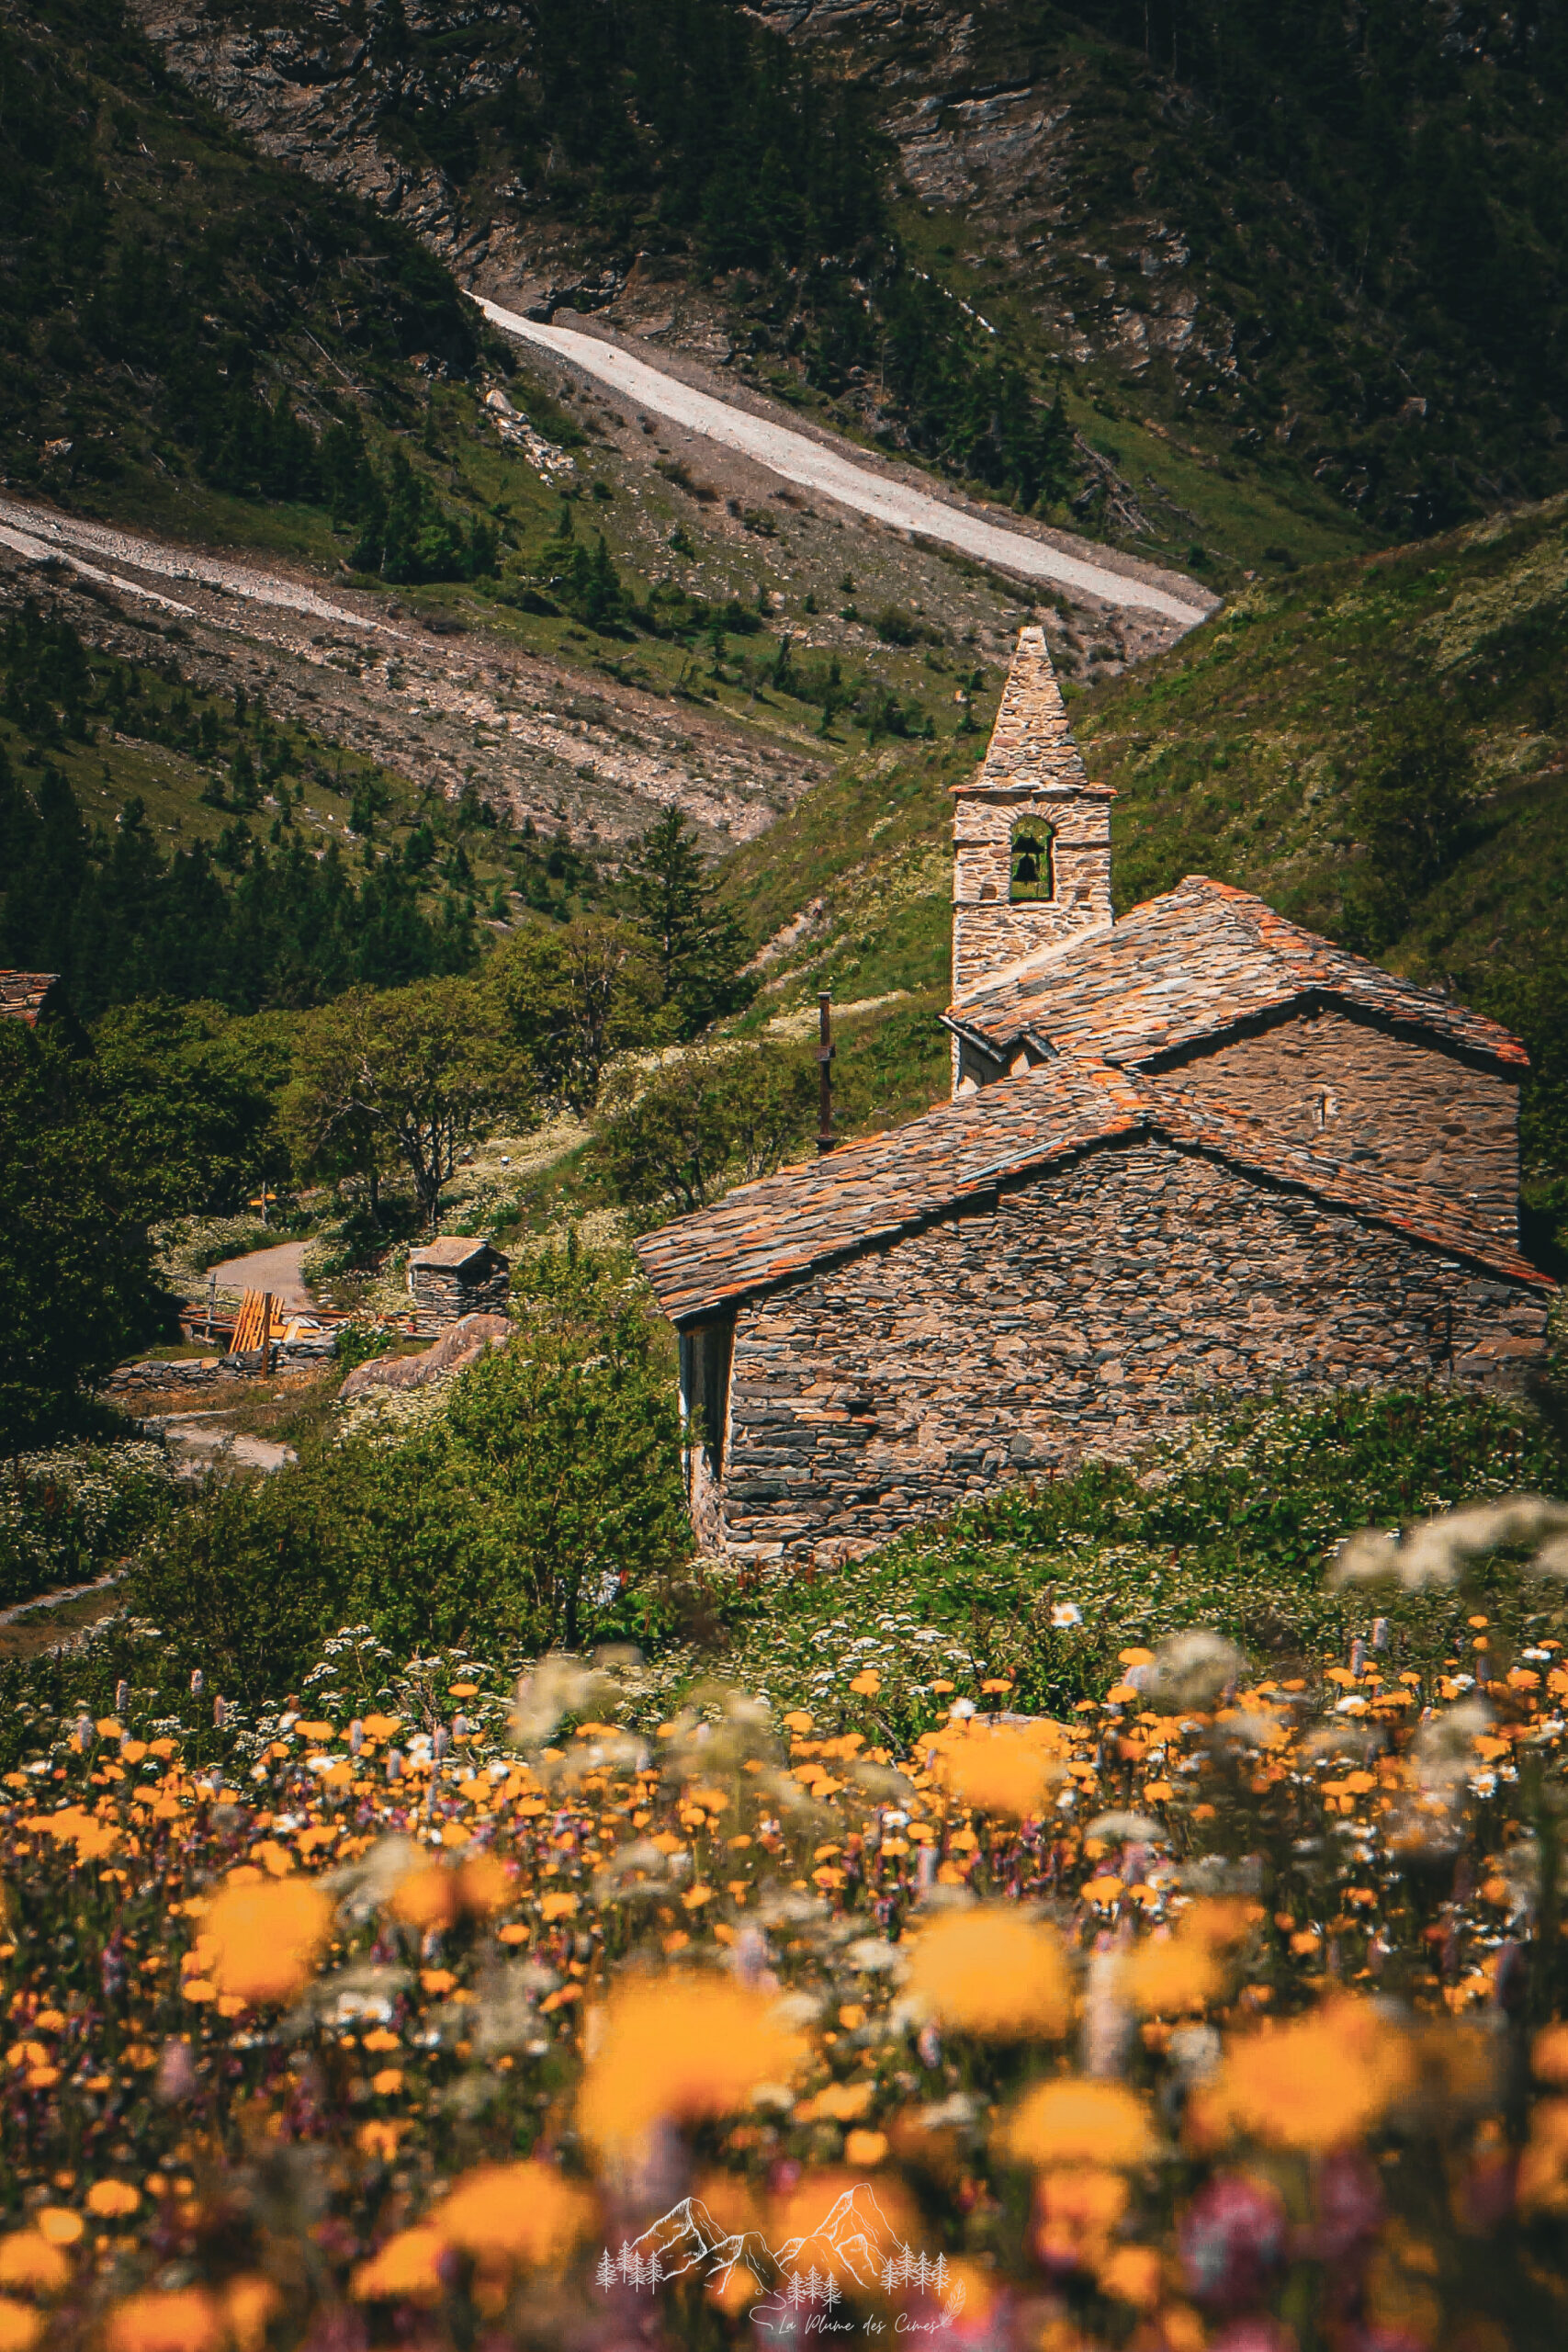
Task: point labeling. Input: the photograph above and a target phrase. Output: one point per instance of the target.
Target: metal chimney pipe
(826, 1138)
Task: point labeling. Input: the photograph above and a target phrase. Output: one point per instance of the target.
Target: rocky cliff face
(1042, 169)
(1021, 156)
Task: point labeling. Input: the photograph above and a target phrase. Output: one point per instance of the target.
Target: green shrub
(1228, 1526)
(531, 1512)
(69, 1513)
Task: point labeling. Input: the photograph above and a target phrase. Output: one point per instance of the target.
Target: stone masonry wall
(1355, 1094)
(988, 932)
(1084, 1311)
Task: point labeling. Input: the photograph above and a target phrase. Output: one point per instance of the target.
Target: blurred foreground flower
(1076, 2122)
(1315, 2085)
(993, 1973)
(266, 1939)
(182, 2319)
(1010, 1768)
(525, 2213)
(681, 2050)
(1435, 1552)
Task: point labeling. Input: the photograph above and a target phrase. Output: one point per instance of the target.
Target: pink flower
(1233, 2239)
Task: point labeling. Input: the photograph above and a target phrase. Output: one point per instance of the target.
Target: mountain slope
(1260, 283)
(168, 300)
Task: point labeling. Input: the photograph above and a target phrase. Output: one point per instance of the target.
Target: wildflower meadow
(1226, 2011)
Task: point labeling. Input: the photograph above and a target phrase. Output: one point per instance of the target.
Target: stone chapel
(1196, 1150)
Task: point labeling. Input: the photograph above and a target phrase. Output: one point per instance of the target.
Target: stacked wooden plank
(259, 1324)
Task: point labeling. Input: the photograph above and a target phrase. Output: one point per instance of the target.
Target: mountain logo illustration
(853, 2245)
(853, 2240)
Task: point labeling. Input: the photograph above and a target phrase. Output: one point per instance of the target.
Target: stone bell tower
(1031, 835)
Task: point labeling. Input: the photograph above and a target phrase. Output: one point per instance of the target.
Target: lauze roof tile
(1197, 961)
(766, 1233)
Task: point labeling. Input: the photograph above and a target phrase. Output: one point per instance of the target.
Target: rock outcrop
(456, 1350)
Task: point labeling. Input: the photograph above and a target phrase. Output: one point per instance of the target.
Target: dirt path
(815, 465)
(28, 531)
(276, 1270)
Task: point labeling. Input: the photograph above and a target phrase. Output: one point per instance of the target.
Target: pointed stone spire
(1031, 835)
(1032, 741)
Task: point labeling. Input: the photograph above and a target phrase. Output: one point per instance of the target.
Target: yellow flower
(1076, 2122)
(1548, 2054)
(1131, 2275)
(109, 2199)
(698, 2047)
(184, 2319)
(1543, 2167)
(29, 2262)
(19, 2327)
(1078, 2210)
(250, 2306)
(989, 1972)
(523, 2212)
(866, 1685)
(1013, 1768)
(427, 1897)
(407, 2269)
(59, 2225)
(1317, 2084)
(865, 2148)
(557, 1906)
(1170, 1973)
(388, 2083)
(266, 1938)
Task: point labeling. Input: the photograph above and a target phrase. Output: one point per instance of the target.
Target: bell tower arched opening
(1032, 865)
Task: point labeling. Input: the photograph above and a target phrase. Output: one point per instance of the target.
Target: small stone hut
(458, 1275)
(1198, 1149)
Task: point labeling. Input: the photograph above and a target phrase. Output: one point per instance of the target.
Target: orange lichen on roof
(1194, 964)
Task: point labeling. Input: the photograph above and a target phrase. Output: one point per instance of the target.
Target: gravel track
(813, 465)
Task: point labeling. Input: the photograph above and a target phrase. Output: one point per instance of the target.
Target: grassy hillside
(1317, 250)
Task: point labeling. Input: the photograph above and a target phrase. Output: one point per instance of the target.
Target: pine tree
(698, 945)
(604, 2276)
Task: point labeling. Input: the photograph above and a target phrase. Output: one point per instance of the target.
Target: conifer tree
(698, 945)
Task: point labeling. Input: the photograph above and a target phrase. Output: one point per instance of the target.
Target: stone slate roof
(1200, 961)
(764, 1234)
(453, 1249)
(760, 1234)
(23, 994)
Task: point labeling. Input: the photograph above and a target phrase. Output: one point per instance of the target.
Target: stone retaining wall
(1078, 1314)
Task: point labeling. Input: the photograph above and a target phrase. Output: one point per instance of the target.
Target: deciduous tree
(570, 996)
(712, 1117)
(421, 1072)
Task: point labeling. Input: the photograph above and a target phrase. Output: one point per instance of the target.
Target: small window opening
(1033, 875)
(1324, 1109)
